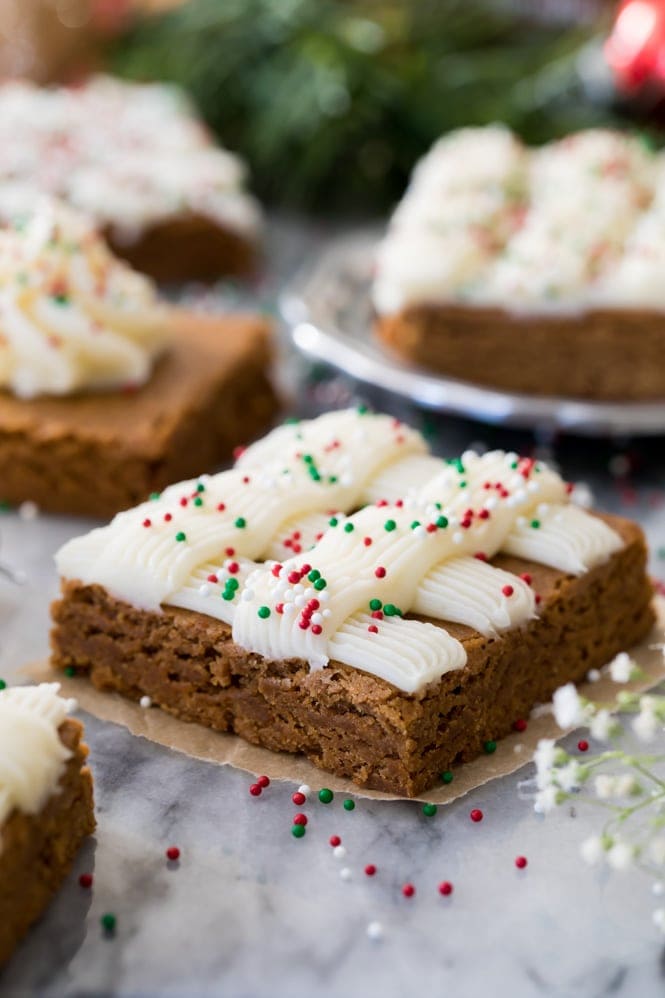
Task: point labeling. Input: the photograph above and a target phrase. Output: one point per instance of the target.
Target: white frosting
(342, 593)
(72, 316)
(98, 147)
(485, 221)
(32, 757)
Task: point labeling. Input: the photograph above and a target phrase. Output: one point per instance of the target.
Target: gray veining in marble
(251, 912)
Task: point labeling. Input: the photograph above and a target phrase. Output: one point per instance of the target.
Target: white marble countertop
(250, 911)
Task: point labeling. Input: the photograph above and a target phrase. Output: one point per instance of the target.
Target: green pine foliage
(332, 101)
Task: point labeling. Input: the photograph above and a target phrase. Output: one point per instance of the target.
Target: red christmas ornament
(635, 49)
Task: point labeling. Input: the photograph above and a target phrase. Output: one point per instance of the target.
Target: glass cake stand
(328, 311)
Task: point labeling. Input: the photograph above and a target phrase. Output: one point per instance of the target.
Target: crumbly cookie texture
(273, 570)
(576, 224)
(46, 804)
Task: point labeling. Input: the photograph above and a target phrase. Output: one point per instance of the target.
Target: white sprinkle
(326, 613)
(593, 675)
(420, 531)
(346, 480)
(145, 702)
(521, 521)
(518, 748)
(458, 537)
(289, 608)
(533, 487)
(491, 503)
(300, 600)
(304, 789)
(375, 930)
(345, 873)
(248, 596)
(317, 618)
(28, 510)
(339, 852)
(298, 589)
(204, 590)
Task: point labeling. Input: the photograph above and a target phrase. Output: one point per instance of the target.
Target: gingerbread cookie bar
(96, 147)
(106, 395)
(535, 271)
(385, 644)
(46, 805)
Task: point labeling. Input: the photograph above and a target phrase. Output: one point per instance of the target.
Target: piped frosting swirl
(72, 316)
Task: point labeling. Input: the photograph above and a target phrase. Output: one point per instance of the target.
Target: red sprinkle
(184, 501)
(147, 523)
(245, 479)
(408, 890)
(335, 841)
(484, 514)
(476, 814)
(85, 880)
(525, 577)
(583, 745)
(233, 568)
(173, 853)
(316, 629)
(480, 555)
(238, 452)
(221, 506)
(256, 790)
(366, 541)
(276, 569)
(300, 819)
(507, 590)
(519, 724)
(373, 629)
(213, 578)
(279, 608)
(298, 798)
(370, 869)
(445, 888)
(229, 552)
(521, 862)
(380, 572)
(168, 517)
(263, 781)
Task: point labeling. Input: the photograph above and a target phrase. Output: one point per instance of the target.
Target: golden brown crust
(187, 248)
(97, 454)
(600, 354)
(37, 851)
(346, 721)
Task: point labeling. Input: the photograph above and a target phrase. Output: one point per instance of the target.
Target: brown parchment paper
(511, 754)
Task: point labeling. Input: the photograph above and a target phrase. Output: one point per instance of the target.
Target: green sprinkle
(232, 584)
(264, 612)
(297, 831)
(456, 462)
(362, 410)
(108, 922)
(332, 479)
(291, 421)
(314, 575)
(462, 485)
(375, 604)
(70, 671)
(240, 522)
(314, 475)
(535, 524)
(198, 501)
(348, 528)
(442, 521)
(3, 684)
(389, 525)
(155, 496)
(228, 595)
(429, 810)
(490, 746)
(60, 299)
(447, 777)
(415, 523)
(320, 584)
(325, 795)
(391, 610)
(333, 521)
(349, 805)
(4, 506)
(308, 459)
(200, 487)
(180, 536)
(514, 465)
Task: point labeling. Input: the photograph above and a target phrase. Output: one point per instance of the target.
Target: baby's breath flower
(546, 800)
(626, 785)
(645, 724)
(570, 711)
(605, 786)
(592, 850)
(570, 776)
(622, 667)
(621, 856)
(603, 726)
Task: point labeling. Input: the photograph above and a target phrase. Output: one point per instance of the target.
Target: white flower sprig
(628, 787)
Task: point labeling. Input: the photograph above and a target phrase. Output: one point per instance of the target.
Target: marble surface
(250, 911)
